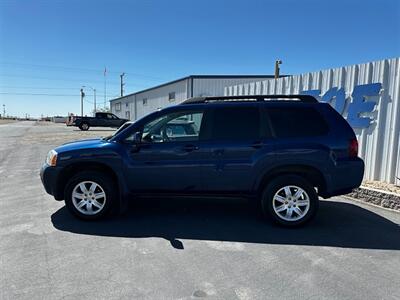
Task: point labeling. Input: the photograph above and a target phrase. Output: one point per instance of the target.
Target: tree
(102, 109)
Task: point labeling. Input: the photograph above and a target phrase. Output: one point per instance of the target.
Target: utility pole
(95, 107)
(82, 96)
(277, 69)
(122, 83)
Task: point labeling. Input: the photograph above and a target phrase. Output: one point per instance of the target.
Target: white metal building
(368, 95)
(139, 104)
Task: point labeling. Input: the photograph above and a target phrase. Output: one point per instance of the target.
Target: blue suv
(283, 151)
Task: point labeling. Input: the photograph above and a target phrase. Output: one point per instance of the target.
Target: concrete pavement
(177, 249)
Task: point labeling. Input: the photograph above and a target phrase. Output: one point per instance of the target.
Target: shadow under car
(337, 224)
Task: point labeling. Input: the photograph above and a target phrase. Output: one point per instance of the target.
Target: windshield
(123, 127)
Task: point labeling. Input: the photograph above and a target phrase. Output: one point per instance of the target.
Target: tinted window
(236, 123)
(177, 126)
(297, 122)
(111, 116)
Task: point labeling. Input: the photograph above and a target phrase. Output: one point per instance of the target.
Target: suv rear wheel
(290, 200)
(90, 195)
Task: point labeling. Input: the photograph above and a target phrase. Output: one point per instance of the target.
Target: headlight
(51, 158)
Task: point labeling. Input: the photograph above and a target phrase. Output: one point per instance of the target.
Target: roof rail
(302, 98)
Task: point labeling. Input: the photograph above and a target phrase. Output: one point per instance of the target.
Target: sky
(49, 49)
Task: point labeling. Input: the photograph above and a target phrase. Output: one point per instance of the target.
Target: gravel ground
(180, 249)
(6, 121)
(386, 187)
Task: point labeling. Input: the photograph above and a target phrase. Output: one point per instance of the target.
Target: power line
(73, 69)
(41, 94)
(38, 88)
(87, 100)
(53, 67)
(57, 79)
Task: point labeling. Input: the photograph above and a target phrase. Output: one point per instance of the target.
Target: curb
(377, 197)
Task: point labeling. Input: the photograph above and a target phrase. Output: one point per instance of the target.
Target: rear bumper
(345, 176)
(49, 176)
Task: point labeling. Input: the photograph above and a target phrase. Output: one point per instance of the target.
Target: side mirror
(137, 138)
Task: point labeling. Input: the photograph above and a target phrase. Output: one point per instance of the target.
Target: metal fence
(367, 95)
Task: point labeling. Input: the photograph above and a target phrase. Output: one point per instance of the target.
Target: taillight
(353, 148)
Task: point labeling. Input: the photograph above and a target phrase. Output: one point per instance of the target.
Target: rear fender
(311, 173)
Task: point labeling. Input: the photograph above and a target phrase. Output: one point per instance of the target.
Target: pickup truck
(101, 119)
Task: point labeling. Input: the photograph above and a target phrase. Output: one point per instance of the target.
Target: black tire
(84, 126)
(276, 188)
(106, 185)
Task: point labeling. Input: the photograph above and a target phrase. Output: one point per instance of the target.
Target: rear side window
(236, 123)
(297, 122)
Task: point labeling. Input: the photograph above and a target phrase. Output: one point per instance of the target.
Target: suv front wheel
(89, 195)
(290, 200)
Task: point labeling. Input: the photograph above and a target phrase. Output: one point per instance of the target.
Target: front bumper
(49, 176)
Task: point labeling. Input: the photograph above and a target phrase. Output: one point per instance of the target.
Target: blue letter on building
(359, 105)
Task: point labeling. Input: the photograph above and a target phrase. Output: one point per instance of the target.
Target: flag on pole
(105, 87)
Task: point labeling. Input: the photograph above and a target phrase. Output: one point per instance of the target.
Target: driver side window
(177, 126)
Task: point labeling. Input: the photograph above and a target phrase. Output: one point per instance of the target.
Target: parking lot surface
(180, 249)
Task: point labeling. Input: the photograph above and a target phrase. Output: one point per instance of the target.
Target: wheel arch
(310, 173)
(77, 167)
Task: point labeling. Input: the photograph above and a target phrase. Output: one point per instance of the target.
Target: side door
(99, 120)
(112, 120)
(169, 155)
(239, 146)
(117, 122)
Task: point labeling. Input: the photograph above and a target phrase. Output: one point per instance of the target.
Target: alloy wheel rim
(88, 197)
(291, 203)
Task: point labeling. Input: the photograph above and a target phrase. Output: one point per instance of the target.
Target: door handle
(257, 144)
(189, 148)
(218, 152)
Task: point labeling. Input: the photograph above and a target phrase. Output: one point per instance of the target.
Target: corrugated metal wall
(379, 143)
(216, 86)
